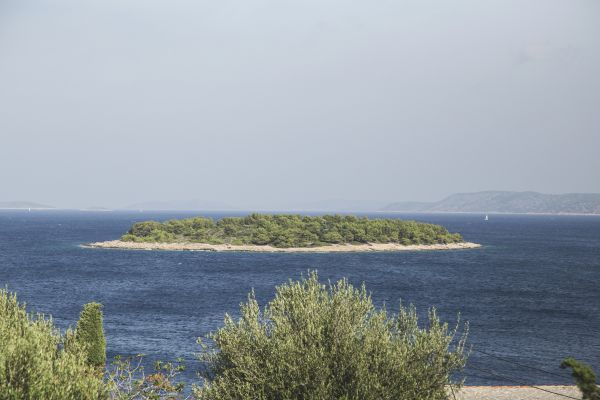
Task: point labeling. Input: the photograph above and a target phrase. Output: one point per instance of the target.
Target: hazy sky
(271, 103)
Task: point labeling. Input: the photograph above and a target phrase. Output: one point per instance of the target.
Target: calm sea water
(531, 294)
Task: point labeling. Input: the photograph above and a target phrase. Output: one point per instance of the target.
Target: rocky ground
(518, 393)
(334, 248)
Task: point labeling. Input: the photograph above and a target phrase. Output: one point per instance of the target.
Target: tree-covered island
(290, 231)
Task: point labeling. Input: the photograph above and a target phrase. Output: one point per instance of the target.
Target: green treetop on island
(290, 231)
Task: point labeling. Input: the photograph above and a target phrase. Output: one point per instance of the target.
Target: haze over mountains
(477, 202)
(22, 205)
(180, 205)
(507, 202)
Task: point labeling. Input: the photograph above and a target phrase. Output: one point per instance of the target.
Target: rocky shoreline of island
(333, 248)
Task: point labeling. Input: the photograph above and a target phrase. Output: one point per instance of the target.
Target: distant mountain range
(507, 202)
(479, 202)
(330, 205)
(22, 205)
(180, 205)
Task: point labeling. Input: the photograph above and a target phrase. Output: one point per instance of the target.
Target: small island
(288, 233)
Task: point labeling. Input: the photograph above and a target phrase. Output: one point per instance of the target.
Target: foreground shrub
(329, 342)
(90, 334)
(585, 378)
(33, 362)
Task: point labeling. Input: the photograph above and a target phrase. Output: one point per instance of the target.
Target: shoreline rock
(334, 248)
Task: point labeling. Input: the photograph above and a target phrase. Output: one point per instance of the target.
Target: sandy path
(345, 248)
(516, 393)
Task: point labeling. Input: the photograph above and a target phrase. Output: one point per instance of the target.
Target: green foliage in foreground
(584, 378)
(290, 231)
(311, 342)
(329, 342)
(90, 334)
(33, 362)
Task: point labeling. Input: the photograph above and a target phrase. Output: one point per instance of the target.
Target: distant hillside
(180, 205)
(333, 205)
(22, 204)
(507, 202)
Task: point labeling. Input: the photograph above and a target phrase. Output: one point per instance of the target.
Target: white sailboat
(486, 218)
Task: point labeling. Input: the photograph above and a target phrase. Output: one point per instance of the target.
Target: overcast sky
(271, 103)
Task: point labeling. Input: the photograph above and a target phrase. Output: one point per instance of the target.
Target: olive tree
(316, 341)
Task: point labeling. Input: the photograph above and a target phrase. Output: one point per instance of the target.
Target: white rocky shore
(335, 248)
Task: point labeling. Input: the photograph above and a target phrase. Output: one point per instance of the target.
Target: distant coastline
(372, 212)
(502, 202)
(23, 205)
(562, 214)
(334, 248)
(33, 209)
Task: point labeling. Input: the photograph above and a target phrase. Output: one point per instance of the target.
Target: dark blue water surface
(531, 294)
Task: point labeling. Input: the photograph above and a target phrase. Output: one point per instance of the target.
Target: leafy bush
(585, 378)
(290, 231)
(90, 334)
(34, 363)
(329, 342)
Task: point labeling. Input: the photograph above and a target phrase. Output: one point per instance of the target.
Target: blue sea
(531, 295)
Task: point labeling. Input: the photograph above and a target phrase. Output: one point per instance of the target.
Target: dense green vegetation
(329, 342)
(585, 378)
(311, 342)
(38, 362)
(90, 334)
(290, 231)
(34, 363)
